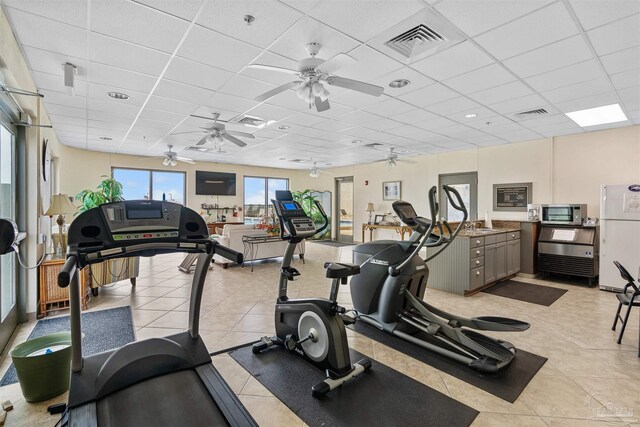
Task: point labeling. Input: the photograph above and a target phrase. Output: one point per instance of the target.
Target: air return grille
(532, 113)
(415, 41)
(373, 145)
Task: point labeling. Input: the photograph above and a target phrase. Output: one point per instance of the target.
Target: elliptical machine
(388, 293)
(312, 327)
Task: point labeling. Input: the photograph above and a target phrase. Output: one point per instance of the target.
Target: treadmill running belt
(506, 384)
(380, 397)
(128, 407)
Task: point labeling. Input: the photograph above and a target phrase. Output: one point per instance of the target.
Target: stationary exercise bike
(388, 293)
(312, 327)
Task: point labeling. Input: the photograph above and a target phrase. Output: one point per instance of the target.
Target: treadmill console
(142, 219)
(293, 218)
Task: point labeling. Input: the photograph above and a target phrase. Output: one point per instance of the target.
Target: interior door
(344, 209)
(467, 186)
(8, 272)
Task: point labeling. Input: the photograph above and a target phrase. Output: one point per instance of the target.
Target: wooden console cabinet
(53, 297)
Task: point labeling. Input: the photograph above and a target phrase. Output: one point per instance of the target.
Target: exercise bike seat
(341, 270)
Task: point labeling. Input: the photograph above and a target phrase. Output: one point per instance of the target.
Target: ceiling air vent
(415, 41)
(532, 113)
(373, 145)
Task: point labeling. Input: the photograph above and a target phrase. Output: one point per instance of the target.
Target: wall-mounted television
(215, 183)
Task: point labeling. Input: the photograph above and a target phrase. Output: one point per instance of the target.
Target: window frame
(151, 171)
(266, 190)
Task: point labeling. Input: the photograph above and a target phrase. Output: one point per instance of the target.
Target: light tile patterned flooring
(586, 378)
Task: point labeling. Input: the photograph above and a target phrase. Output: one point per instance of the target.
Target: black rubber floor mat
(527, 292)
(506, 384)
(379, 397)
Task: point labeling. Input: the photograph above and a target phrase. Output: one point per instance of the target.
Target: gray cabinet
(490, 264)
(513, 257)
(501, 260)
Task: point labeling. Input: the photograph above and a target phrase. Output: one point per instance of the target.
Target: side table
(53, 297)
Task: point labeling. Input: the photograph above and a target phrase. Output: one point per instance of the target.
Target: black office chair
(630, 298)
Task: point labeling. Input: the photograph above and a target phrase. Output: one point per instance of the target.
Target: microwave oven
(564, 214)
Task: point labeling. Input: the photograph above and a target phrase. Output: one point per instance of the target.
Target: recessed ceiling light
(356, 141)
(283, 127)
(470, 116)
(118, 95)
(598, 116)
(399, 83)
(106, 138)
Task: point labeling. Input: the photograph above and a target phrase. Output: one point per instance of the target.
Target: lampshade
(370, 207)
(60, 205)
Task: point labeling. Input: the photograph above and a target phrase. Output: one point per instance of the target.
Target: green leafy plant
(109, 190)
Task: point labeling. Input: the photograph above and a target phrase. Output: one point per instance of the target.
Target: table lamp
(370, 209)
(60, 205)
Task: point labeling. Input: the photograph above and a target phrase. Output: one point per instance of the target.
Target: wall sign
(512, 197)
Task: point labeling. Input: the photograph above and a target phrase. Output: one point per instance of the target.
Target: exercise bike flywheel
(310, 326)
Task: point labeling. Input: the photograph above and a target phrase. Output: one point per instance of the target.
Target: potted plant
(109, 190)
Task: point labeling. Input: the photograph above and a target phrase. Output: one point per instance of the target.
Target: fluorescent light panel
(598, 116)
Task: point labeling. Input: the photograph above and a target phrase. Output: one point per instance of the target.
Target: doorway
(467, 185)
(344, 209)
(8, 268)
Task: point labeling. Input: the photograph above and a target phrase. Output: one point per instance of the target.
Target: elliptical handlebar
(325, 218)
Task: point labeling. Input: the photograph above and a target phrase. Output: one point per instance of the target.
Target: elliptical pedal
(494, 346)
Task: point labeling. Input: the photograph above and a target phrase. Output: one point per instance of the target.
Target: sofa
(231, 237)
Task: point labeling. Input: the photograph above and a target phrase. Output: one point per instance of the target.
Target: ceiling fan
(171, 158)
(391, 159)
(315, 74)
(216, 133)
(315, 172)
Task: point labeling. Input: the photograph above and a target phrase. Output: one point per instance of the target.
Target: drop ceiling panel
(68, 12)
(161, 116)
(273, 77)
(329, 125)
(378, 15)
(185, 9)
(627, 59)
(360, 118)
(63, 110)
(414, 117)
(525, 103)
(182, 92)
(480, 79)
(388, 107)
(616, 36)
(171, 105)
(581, 72)
(451, 106)
(501, 93)
(215, 49)
(475, 17)
(592, 101)
(272, 19)
(429, 95)
(121, 54)
(626, 79)
(369, 65)
(452, 62)
(114, 107)
(578, 90)
(123, 20)
(52, 62)
(308, 30)
(436, 123)
(197, 74)
(383, 124)
(271, 112)
(556, 55)
(226, 102)
(61, 98)
(595, 13)
(303, 119)
(532, 31)
(100, 91)
(417, 80)
(245, 87)
(36, 31)
(111, 76)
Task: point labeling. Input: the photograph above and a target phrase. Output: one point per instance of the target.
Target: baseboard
(529, 276)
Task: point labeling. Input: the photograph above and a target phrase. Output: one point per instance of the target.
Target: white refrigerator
(619, 233)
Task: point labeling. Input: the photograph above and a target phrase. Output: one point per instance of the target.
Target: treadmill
(159, 381)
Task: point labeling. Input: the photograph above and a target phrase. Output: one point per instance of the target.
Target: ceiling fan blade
(274, 92)
(332, 65)
(242, 134)
(322, 105)
(234, 140)
(184, 159)
(192, 131)
(272, 68)
(356, 85)
(202, 141)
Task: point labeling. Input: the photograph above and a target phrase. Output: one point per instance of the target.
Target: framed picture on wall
(391, 190)
(378, 218)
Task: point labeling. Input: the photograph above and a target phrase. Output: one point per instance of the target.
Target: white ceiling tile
(451, 106)
(56, 83)
(62, 120)
(567, 93)
(230, 103)
(270, 112)
(289, 99)
(383, 124)
(486, 122)
(118, 53)
(622, 60)
(353, 99)
(308, 30)
(245, 87)
(100, 91)
(272, 19)
(630, 94)
(114, 107)
(110, 76)
(537, 29)
(360, 118)
(197, 74)
(185, 9)
(273, 77)
(592, 101)
(68, 12)
(436, 123)
(52, 62)
(475, 17)
(162, 116)
(330, 125)
(480, 79)
(182, 92)
(429, 95)
(303, 119)
(414, 117)
(417, 80)
(626, 79)
(215, 49)
(370, 64)
(452, 62)
(377, 14)
(556, 55)
(525, 103)
(63, 110)
(336, 111)
(616, 36)
(581, 72)
(593, 13)
(389, 107)
(123, 20)
(171, 105)
(62, 98)
(36, 31)
(501, 93)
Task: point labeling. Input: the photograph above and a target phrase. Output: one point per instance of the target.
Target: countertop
(481, 233)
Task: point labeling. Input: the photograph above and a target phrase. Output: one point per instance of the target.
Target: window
(258, 192)
(151, 184)
(7, 210)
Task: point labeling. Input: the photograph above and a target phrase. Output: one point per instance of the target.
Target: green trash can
(43, 366)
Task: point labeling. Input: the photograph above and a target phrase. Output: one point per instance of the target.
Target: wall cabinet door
(501, 260)
(489, 264)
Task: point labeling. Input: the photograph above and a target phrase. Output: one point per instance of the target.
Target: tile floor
(586, 378)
